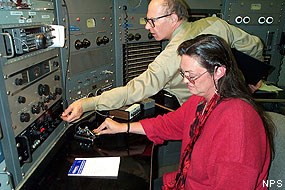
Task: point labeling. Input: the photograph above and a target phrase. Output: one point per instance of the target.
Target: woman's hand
(110, 126)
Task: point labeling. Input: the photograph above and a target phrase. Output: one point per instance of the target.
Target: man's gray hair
(179, 7)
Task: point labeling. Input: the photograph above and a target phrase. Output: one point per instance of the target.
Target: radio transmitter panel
(91, 63)
(32, 91)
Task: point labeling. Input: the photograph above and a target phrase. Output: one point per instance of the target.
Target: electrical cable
(126, 44)
(68, 53)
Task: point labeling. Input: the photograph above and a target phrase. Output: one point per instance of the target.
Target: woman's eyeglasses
(152, 20)
(190, 79)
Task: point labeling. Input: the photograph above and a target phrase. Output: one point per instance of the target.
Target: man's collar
(178, 29)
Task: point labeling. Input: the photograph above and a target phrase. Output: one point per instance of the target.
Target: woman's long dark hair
(212, 52)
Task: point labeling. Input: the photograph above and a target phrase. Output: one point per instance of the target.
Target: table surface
(135, 153)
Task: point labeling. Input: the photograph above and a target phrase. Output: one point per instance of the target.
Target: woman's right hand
(110, 126)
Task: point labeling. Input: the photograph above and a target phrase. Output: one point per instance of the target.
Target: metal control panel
(135, 46)
(31, 88)
(264, 19)
(91, 62)
(27, 39)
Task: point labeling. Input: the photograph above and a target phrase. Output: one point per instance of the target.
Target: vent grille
(137, 57)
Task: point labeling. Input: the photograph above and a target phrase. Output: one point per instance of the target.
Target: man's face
(160, 28)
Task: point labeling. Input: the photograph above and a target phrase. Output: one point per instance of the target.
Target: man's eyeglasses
(191, 79)
(152, 20)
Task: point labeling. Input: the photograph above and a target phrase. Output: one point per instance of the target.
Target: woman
(226, 138)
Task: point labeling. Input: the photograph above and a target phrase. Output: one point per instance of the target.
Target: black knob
(56, 77)
(36, 109)
(99, 41)
(86, 43)
(105, 40)
(58, 91)
(21, 99)
(131, 37)
(55, 64)
(78, 44)
(43, 90)
(137, 36)
(18, 81)
(25, 117)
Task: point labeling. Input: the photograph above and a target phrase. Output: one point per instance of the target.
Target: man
(166, 20)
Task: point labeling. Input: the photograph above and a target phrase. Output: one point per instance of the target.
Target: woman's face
(197, 78)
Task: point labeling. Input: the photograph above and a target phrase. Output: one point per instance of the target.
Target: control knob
(55, 64)
(102, 40)
(137, 36)
(43, 89)
(105, 40)
(131, 37)
(25, 117)
(78, 44)
(21, 100)
(18, 81)
(58, 91)
(99, 41)
(35, 109)
(56, 77)
(86, 43)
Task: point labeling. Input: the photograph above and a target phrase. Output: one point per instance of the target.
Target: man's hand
(73, 112)
(254, 88)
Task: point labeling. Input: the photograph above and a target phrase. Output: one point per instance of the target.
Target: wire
(139, 4)
(104, 115)
(68, 54)
(126, 45)
(279, 71)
